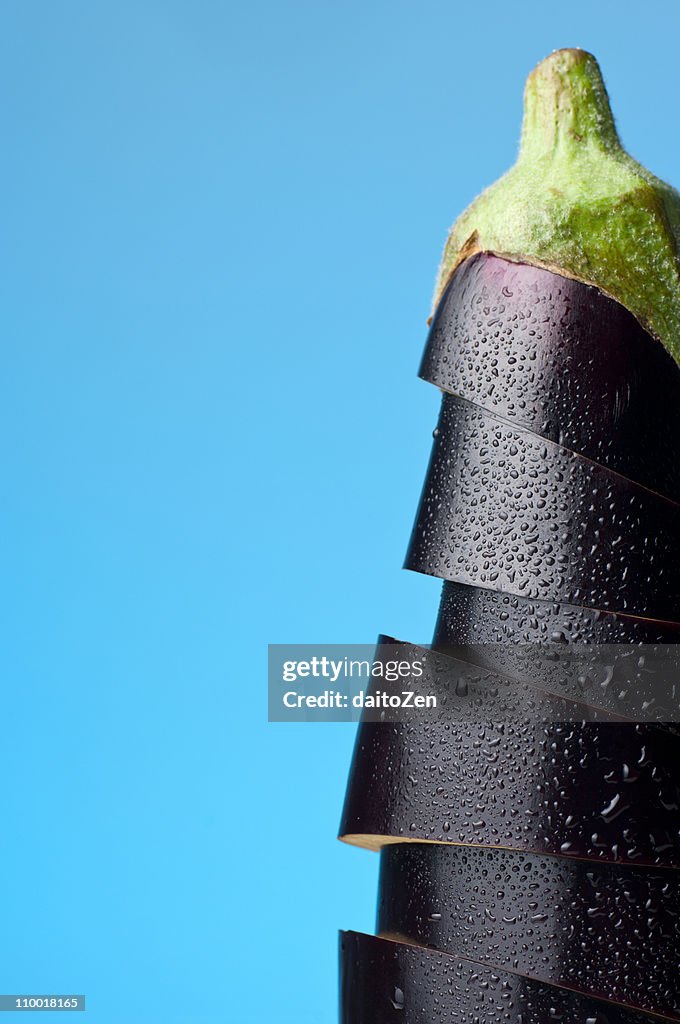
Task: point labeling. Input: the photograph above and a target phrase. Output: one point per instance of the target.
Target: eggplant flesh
(602, 930)
(562, 359)
(504, 509)
(599, 791)
(382, 981)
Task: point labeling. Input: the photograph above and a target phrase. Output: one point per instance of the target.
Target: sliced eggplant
(546, 851)
(560, 358)
(382, 981)
(628, 666)
(504, 509)
(594, 790)
(438, 688)
(601, 930)
(470, 616)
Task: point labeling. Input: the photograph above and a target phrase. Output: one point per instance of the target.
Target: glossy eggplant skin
(562, 359)
(464, 691)
(470, 616)
(504, 509)
(531, 683)
(591, 657)
(539, 856)
(598, 791)
(382, 981)
(601, 930)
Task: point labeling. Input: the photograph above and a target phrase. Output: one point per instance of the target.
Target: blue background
(220, 230)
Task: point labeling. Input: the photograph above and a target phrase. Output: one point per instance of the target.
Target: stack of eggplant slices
(529, 826)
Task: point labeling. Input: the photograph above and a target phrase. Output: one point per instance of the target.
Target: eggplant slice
(470, 616)
(464, 691)
(504, 509)
(601, 930)
(562, 359)
(600, 791)
(382, 981)
(595, 658)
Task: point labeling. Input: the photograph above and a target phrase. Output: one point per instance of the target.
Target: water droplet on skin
(530, 359)
(558, 920)
(471, 526)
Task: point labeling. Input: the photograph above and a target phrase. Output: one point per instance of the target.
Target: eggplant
(526, 683)
(504, 509)
(451, 689)
(629, 667)
(475, 616)
(600, 791)
(382, 981)
(559, 358)
(551, 509)
(601, 930)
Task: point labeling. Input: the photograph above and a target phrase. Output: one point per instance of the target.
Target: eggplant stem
(577, 204)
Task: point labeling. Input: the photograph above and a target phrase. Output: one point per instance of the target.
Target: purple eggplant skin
(594, 658)
(472, 616)
(504, 509)
(598, 791)
(562, 359)
(382, 981)
(464, 691)
(601, 930)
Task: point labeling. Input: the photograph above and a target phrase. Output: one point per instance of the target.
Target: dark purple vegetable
(599, 791)
(560, 358)
(591, 657)
(601, 930)
(539, 845)
(504, 509)
(462, 691)
(382, 982)
(475, 616)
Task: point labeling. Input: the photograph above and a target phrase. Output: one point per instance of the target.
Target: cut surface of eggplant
(562, 359)
(603, 930)
(382, 981)
(594, 790)
(504, 509)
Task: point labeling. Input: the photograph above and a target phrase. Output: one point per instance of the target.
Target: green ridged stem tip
(576, 203)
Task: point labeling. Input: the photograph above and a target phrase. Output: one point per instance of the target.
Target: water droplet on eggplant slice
(603, 930)
(540, 788)
(438, 988)
(562, 359)
(543, 524)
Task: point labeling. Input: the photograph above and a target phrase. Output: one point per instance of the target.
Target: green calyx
(576, 203)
